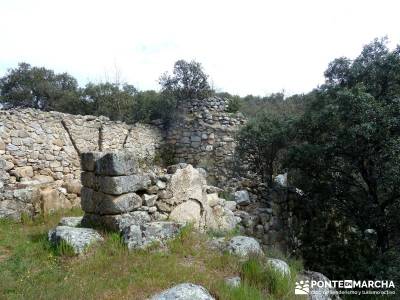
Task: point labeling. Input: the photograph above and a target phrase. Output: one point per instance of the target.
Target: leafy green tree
(348, 164)
(110, 99)
(261, 141)
(188, 81)
(150, 106)
(39, 88)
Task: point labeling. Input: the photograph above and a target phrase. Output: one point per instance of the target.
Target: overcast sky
(247, 47)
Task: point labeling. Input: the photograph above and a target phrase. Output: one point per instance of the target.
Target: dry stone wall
(50, 142)
(204, 137)
(39, 148)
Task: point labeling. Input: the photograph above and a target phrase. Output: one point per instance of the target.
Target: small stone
(242, 197)
(149, 200)
(184, 291)
(280, 266)
(233, 281)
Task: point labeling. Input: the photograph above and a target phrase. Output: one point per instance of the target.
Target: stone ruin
(40, 169)
(146, 206)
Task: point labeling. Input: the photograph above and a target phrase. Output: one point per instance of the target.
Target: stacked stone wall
(204, 136)
(50, 142)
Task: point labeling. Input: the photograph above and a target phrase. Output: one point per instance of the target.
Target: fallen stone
(184, 291)
(78, 238)
(244, 246)
(242, 197)
(73, 186)
(187, 183)
(279, 265)
(70, 221)
(142, 236)
(187, 212)
(13, 209)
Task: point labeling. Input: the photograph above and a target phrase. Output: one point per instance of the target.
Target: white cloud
(248, 46)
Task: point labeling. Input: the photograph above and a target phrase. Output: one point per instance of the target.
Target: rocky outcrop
(184, 291)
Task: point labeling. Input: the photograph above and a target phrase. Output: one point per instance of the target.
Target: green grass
(30, 268)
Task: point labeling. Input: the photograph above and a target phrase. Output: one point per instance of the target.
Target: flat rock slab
(70, 221)
(78, 238)
(244, 246)
(141, 236)
(184, 291)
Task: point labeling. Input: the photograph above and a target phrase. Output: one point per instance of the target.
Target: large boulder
(184, 291)
(18, 202)
(244, 246)
(78, 238)
(187, 183)
(187, 212)
(142, 236)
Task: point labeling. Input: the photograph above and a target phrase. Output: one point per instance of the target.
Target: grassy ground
(31, 269)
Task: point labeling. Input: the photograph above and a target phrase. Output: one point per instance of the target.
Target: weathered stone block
(116, 164)
(116, 222)
(121, 184)
(104, 204)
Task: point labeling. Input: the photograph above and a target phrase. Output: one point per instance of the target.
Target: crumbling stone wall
(49, 143)
(204, 137)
